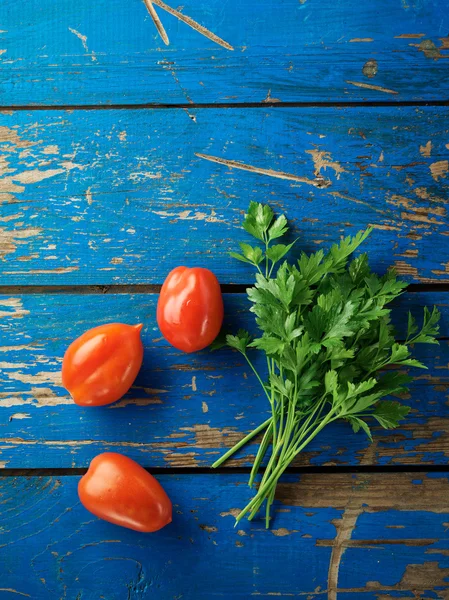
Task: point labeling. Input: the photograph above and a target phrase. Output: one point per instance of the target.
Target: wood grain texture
(110, 51)
(124, 196)
(376, 536)
(184, 410)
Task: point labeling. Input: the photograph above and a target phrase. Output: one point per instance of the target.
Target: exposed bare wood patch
(270, 100)
(419, 218)
(9, 184)
(136, 402)
(11, 218)
(442, 551)
(204, 407)
(232, 512)
(369, 455)
(208, 528)
(357, 201)
(424, 194)
(19, 416)
(418, 213)
(407, 166)
(361, 40)
(83, 39)
(436, 434)
(440, 271)
(58, 271)
(375, 492)
(14, 308)
(193, 24)
(187, 459)
(50, 150)
(322, 160)
(428, 48)
(404, 268)
(439, 169)
(142, 175)
(18, 441)
(214, 437)
(426, 150)
(409, 253)
(10, 239)
(36, 396)
(10, 136)
(412, 542)
(369, 86)
(344, 526)
(282, 532)
(417, 579)
(384, 227)
(319, 182)
(370, 68)
(190, 215)
(89, 196)
(409, 36)
(19, 347)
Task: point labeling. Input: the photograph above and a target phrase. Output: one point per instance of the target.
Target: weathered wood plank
(184, 410)
(124, 196)
(110, 52)
(375, 536)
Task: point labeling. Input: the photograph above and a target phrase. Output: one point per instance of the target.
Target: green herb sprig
(326, 333)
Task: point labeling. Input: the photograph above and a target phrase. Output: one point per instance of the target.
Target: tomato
(100, 366)
(190, 308)
(117, 489)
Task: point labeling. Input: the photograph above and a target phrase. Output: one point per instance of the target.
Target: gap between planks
(229, 288)
(211, 105)
(306, 470)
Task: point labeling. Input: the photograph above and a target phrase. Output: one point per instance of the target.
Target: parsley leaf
(388, 414)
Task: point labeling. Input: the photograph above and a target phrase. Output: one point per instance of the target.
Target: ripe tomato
(117, 489)
(190, 308)
(100, 366)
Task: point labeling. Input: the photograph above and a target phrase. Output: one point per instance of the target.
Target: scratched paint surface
(109, 51)
(184, 410)
(367, 535)
(124, 196)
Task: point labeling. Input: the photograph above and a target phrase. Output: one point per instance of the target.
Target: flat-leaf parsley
(325, 330)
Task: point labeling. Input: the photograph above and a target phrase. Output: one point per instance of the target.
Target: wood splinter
(157, 21)
(185, 19)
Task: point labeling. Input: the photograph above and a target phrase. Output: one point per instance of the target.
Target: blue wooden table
(122, 157)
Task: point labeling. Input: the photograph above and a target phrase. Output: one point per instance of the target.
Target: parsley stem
(253, 368)
(266, 257)
(242, 442)
(270, 366)
(268, 507)
(261, 453)
(266, 489)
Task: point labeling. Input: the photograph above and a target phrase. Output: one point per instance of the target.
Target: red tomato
(100, 366)
(117, 489)
(190, 308)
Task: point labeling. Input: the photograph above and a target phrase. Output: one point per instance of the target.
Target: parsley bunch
(325, 330)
